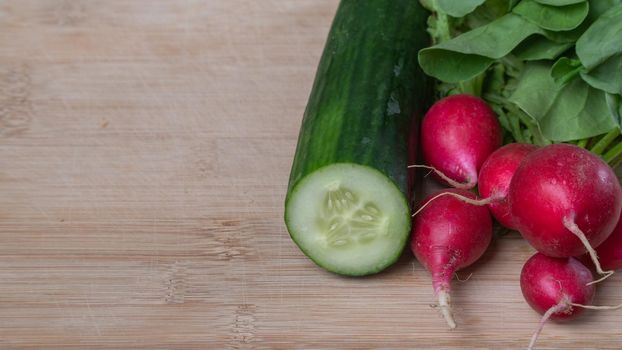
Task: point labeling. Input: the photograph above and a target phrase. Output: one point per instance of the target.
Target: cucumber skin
(368, 93)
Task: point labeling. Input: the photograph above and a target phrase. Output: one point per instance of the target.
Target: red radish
(457, 135)
(565, 200)
(449, 234)
(610, 251)
(547, 282)
(495, 176)
(557, 288)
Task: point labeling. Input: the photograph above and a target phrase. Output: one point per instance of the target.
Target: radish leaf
(607, 76)
(602, 39)
(559, 2)
(553, 18)
(458, 8)
(574, 111)
(540, 48)
(614, 103)
(471, 53)
(565, 69)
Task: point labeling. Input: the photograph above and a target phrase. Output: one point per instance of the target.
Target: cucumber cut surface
(349, 219)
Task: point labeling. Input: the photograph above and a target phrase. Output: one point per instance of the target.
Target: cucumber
(347, 205)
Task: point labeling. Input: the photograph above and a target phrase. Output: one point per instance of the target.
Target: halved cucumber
(349, 218)
(347, 202)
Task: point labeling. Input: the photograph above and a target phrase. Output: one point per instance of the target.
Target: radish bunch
(564, 200)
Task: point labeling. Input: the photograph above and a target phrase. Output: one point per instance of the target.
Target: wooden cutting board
(145, 148)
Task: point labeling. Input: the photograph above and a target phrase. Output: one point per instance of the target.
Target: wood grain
(145, 148)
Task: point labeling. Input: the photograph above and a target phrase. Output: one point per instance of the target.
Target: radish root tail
(598, 307)
(563, 305)
(465, 279)
(574, 228)
(452, 183)
(478, 202)
(444, 304)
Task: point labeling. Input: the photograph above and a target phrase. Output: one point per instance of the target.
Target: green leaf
(451, 66)
(458, 8)
(599, 7)
(574, 111)
(614, 104)
(607, 76)
(593, 117)
(540, 48)
(555, 123)
(491, 10)
(602, 39)
(559, 2)
(536, 90)
(565, 69)
(555, 18)
(568, 36)
(513, 3)
(499, 7)
(473, 52)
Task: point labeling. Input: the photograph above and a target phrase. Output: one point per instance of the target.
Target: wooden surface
(145, 148)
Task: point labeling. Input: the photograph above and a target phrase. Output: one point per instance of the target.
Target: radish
(557, 288)
(457, 135)
(448, 235)
(565, 200)
(549, 283)
(495, 176)
(610, 251)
